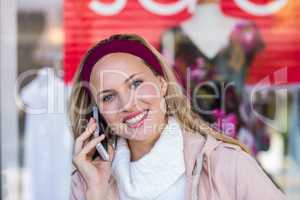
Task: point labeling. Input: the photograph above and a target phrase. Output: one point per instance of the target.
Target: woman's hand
(95, 172)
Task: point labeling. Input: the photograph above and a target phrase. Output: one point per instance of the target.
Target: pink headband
(118, 45)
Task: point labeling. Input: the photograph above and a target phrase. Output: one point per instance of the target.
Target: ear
(163, 85)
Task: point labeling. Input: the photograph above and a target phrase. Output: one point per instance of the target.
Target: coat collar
(197, 149)
(195, 145)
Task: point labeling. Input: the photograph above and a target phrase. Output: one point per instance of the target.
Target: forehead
(118, 61)
(117, 66)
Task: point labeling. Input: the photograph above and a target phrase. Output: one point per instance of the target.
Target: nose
(126, 101)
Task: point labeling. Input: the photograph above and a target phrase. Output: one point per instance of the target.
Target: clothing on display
(211, 54)
(47, 139)
(231, 63)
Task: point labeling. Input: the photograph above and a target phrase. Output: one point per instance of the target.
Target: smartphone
(102, 147)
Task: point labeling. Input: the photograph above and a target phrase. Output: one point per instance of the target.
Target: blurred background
(237, 59)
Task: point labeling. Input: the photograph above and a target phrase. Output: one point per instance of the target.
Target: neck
(208, 11)
(139, 148)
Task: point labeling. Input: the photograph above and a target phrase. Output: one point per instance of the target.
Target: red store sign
(88, 21)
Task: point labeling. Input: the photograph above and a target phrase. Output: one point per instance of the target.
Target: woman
(163, 151)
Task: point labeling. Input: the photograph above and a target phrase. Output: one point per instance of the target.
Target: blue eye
(136, 83)
(107, 98)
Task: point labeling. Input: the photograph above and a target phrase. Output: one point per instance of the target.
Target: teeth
(136, 118)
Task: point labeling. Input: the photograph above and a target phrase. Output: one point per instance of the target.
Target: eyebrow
(128, 79)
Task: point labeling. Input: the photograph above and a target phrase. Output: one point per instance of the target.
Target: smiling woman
(159, 136)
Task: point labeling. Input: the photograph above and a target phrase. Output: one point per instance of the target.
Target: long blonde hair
(177, 102)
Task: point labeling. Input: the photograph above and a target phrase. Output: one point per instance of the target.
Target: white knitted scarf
(155, 172)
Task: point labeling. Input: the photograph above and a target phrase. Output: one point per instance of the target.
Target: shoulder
(241, 173)
(224, 160)
(230, 160)
(227, 151)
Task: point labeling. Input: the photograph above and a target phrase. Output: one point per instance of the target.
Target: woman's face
(129, 96)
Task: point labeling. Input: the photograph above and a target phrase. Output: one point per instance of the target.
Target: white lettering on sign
(166, 9)
(109, 9)
(261, 10)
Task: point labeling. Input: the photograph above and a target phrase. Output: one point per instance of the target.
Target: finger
(79, 143)
(92, 129)
(92, 152)
(88, 128)
(91, 145)
(81, 140)
(111, 152)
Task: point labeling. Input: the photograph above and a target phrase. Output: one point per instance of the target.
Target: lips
(136, 119)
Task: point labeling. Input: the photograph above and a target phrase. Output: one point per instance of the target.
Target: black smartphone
(102, 147)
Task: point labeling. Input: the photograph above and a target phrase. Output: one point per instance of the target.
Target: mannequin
(211, 46)
(209, 28)
(47, 138)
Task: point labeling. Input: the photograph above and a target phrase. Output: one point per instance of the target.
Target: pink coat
(215, 170)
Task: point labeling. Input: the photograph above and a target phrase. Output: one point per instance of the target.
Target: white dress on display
(47, 139)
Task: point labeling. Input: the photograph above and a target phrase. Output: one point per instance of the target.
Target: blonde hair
(177, 102)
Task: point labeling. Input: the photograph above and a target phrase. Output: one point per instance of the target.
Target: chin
(139, 135)
(143, 128)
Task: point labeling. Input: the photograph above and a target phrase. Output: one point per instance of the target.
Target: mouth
(136, 120)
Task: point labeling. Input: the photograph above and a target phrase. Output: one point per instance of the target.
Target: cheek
(113, 121)
(151, 95)
(148, 91)
(109, 109)
(110, 116)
